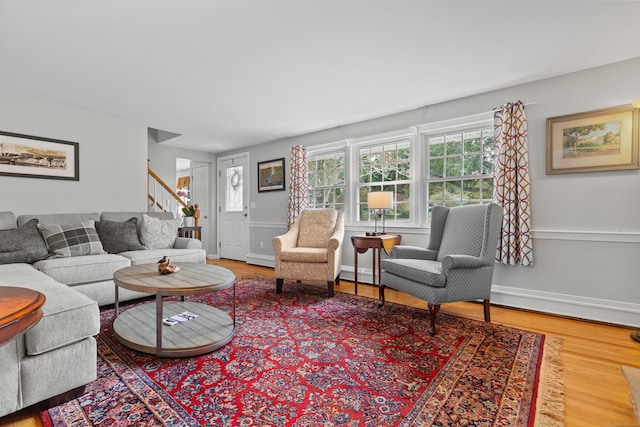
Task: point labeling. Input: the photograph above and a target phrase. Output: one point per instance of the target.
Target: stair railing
(161, 198)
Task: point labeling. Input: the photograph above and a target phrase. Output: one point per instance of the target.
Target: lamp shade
(636, 103)
(380, 199)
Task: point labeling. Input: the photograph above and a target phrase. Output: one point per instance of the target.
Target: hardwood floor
(596, 393)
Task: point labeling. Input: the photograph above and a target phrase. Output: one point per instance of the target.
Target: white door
(200, 195)
(233, 207)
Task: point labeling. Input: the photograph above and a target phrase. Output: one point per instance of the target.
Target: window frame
(334, 148)
(356, 145)
(418, 169)
(462, 124)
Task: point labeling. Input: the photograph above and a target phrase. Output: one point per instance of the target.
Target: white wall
(112, 153)
(586, 226)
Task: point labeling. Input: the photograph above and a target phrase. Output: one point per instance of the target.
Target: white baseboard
(603, 310)
(262, 260)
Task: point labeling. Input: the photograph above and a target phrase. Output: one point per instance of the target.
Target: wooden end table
(362, 244)
(141, 327)
(20, 309)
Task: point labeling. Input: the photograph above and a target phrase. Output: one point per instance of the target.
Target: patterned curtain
(298, 186)
(511, 180)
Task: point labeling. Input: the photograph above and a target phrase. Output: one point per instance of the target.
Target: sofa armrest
(187, 243)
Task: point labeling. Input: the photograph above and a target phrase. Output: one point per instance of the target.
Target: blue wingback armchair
(456, 266)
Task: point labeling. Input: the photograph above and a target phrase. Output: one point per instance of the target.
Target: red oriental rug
(302, 359)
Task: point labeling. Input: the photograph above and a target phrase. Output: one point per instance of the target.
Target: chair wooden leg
(433, 312)
(330, 286)
(487, 310)
(279, 285)
(381, 295)
(338, 279)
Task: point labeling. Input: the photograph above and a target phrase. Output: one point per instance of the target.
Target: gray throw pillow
(118, 236)
(158, 233)
(67, 240)
(22, 244)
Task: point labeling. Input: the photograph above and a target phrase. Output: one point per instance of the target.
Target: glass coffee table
(141, 327)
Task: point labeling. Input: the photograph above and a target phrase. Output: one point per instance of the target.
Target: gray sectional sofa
(73, 266)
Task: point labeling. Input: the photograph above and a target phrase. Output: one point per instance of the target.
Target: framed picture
(271, 175)
(594, 141)
(36, 157)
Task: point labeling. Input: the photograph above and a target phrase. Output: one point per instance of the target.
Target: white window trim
(331, 147)
(416, 135)
(357, 143)
(461, 124)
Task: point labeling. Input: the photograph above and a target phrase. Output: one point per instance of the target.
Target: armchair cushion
(305, 255)
(316, 227)
(417, 270)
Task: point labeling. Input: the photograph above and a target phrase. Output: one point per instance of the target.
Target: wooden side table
(193, 232)
(362, 244)
(20, 309)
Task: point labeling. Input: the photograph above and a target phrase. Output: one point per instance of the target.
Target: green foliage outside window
(385, 167)
(326, 179)
(460, 168)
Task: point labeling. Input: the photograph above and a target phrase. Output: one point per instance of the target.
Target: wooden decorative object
(166, 267)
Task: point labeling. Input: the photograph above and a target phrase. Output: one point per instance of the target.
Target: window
(459, 167)
(385, 167)
(326, 173)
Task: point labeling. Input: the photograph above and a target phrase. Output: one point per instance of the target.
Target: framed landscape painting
(36, 157)
(594, 141)
(271, 175)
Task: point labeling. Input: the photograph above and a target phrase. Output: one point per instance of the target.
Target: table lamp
(379, 202)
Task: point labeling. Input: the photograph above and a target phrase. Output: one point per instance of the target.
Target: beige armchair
(311, 250)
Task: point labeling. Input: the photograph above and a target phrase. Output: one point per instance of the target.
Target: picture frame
(271, 175)
(31, 156)
(593, 141)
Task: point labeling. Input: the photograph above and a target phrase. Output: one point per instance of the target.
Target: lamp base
(374, 233)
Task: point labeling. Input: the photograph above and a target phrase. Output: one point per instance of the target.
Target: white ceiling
(226, 74)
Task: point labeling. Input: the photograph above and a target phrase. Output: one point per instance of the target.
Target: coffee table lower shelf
(212, 329)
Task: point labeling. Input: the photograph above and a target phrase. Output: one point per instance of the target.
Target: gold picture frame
(593, 141)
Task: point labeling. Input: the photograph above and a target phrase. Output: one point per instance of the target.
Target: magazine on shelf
(179, 318)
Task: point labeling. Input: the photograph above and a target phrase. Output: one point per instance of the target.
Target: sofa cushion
(123, 216)
(157, 233)
(68, 316)
(316, 227)
(175, 255)
(82, 269)
(68, 218)
(76, 239)
(7, 220)
(22, 244)
(119, 236)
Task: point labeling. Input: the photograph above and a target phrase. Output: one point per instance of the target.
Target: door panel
(200, 195)
(233, 208)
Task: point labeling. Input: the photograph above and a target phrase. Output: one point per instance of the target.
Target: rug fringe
(550, 403)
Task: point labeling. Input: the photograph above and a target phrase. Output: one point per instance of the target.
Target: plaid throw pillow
(68, 240)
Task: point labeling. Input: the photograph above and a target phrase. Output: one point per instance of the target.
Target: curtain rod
(526, 104)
